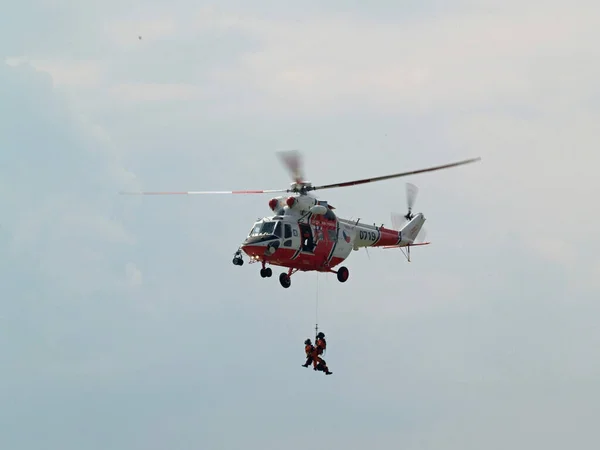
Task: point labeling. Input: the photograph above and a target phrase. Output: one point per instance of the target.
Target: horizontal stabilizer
(412, 245)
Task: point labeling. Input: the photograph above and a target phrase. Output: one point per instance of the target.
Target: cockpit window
(256, 230)
(266, 228)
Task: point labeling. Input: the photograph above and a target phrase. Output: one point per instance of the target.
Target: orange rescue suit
(321, 345)
(309, 349)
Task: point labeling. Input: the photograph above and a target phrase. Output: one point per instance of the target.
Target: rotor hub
(301, 187)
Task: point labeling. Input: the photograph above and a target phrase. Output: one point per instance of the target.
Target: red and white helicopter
(305, 234)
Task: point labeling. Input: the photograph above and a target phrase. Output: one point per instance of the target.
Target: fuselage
(305, 234)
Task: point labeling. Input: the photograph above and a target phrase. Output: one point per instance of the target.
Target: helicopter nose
(253, 250)
(260, 249)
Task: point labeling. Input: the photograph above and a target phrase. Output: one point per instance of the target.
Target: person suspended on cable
(321, 343)
(322, 367)
(320, 347)
(309, 349)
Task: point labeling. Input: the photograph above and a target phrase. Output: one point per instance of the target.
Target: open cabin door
(324, 232)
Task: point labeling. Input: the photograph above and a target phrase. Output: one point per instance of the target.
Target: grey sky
(126, 326)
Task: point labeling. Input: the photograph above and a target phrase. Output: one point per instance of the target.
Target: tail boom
(365, 235)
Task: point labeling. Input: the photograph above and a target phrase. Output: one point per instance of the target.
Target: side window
(288, 235)
(332, 235)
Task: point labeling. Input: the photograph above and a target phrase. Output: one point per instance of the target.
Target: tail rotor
(411, 196)
(400, 220)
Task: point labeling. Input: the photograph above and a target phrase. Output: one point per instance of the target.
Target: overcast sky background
(123, 322)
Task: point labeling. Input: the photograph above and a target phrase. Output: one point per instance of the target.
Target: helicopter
(304, 234)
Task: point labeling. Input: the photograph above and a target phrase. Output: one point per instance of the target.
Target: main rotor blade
(268, 191)
(292, 160)
(387, 177)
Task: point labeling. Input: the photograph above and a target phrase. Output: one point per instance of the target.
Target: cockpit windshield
(266, 228)
(256, 229)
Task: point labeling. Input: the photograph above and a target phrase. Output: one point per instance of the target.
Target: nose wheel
(237, 259)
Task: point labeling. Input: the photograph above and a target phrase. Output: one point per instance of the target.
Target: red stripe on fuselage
(388, 237)
(283, 257)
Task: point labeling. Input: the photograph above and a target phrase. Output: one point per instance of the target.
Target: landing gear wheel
(285, 280)
(342, 274)
(238, 262)
(266, 273)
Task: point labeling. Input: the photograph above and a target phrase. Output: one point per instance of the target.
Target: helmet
(307, 342)
(321, 335)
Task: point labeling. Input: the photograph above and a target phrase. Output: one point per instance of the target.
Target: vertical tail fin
(409, 225)
(410, 231)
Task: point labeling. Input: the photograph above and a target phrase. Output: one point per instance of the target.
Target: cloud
(82, 74)
(134, 275)
(497, 415)
(177, 58)
(466, 58)
(125, 33)
(58, 184)
(541, 169)
(155, 92)
(244, 63)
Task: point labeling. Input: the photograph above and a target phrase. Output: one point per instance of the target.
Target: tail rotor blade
(398, 221)
(411, 195)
